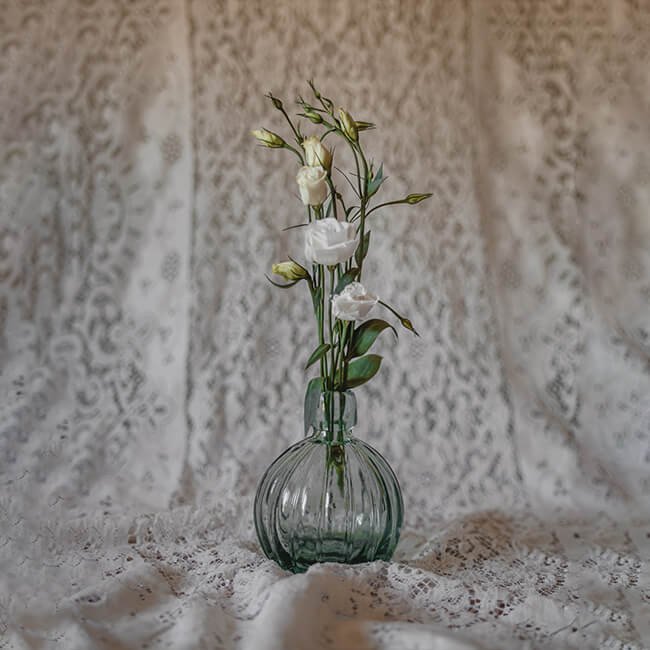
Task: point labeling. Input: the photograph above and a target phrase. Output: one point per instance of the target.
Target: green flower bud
(313, 115)
(311, 85)
(276, 102)
(408, 325)
(412, 199)
(290, 271)
(348, 125)
(268, 138)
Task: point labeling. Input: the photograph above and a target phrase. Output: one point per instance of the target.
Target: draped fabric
(149, 373)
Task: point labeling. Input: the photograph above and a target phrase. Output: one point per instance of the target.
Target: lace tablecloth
(149, 374)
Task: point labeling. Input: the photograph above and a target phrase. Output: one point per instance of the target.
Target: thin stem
(354, 189)
(383, 205)
(293, 128)
(331, 327)
(327, 133)
(288, 146)
(364, 203)
(321, 319)
(333, 193)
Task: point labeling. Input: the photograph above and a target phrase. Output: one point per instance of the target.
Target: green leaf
(318, 354)
(362, 249)
(312, 400)
(375, 183)
(359, 371)
(298, 225)
(366, 334)
(345, 279)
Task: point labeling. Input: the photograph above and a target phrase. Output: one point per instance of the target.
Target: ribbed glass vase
(330, 497)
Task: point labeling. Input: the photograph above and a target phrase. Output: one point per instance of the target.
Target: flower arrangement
(336, 243)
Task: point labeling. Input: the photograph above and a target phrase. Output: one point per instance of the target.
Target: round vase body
(330, 497)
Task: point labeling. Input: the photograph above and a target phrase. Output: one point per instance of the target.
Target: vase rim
(336, 412)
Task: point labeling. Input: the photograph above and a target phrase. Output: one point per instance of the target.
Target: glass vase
(330, 497)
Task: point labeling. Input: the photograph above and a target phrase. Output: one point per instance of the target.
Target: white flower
(312, 182)
(316, 153)
(353, 303)
(329, 241)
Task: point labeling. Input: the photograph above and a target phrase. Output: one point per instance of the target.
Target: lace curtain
(149, 373)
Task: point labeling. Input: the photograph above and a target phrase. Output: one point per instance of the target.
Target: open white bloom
(316, 153)
(312, 182)
(329, 241)
(353, 303)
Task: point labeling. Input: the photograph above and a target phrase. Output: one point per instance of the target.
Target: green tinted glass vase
(330, 497)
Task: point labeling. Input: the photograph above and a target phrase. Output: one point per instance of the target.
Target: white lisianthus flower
(329, 241)
(312, 183)
(316, 153)
(353, 303)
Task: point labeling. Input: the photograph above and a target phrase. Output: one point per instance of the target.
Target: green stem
(383, 205)
(332, 192)
(364, 203)
(331, 328)
(321, 325)
(288, 146)
(293, 128)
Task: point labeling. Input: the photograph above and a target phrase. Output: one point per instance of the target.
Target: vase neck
(336, 415)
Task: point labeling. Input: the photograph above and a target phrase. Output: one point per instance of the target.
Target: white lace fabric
(149, 373)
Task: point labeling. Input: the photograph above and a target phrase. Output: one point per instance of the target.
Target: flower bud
(312, 183)
(313, 115)
(268, 138)
(276, 102)
(290, 271)
(316, 153)
(348, 125)
(412, 199)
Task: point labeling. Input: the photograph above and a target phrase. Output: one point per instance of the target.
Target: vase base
(342, 549)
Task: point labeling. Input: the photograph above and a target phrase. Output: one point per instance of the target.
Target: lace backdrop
(149, 373)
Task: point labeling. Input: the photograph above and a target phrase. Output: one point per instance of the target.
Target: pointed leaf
(375, 183)
(366, 334)
(360, 371)
(318, 354)
(345, 279)
(362, 249)
(312, 399)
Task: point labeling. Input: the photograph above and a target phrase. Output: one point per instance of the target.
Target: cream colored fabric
(149, 373)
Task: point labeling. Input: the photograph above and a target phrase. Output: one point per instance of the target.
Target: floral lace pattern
(145, 374)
